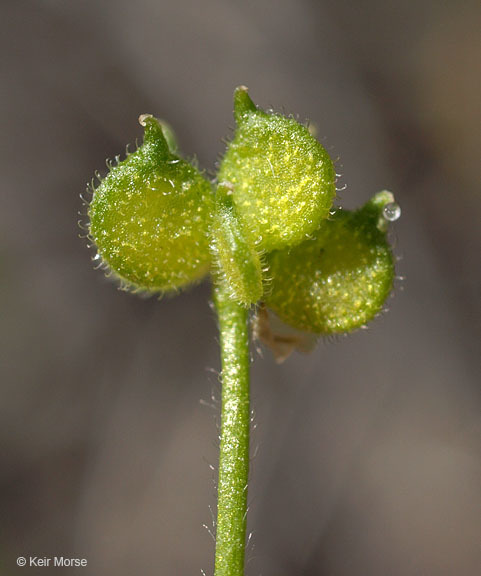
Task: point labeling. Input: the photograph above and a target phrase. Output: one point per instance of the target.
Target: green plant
(268, 234)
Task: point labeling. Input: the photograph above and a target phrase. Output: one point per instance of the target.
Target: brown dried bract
(281, 339)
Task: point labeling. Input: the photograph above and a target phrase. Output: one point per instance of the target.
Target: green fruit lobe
(338, 280)
(283, 180)
(150, 215)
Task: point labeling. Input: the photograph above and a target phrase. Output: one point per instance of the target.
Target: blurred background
(367, 452)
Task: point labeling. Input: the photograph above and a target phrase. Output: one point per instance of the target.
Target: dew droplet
(391, 211)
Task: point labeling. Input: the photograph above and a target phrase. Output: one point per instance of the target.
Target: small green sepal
(237, 257)
(170, 136)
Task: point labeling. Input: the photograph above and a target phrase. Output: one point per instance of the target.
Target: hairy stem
(234, 439)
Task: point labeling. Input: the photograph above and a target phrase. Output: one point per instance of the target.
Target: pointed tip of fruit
(384, 208)
(154, 134)
(143, 118)
(380, 199)
(243, 103)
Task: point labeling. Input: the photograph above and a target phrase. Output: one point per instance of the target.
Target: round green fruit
(338, 280)
(149, 217)
(283, 180)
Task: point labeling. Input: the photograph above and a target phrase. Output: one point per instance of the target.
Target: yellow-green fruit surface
(338, 280)
(149, 217)
(283, 180)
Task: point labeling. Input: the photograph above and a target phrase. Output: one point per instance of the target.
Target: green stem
(234, 437)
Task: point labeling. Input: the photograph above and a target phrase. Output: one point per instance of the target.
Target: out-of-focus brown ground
(368, 450)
